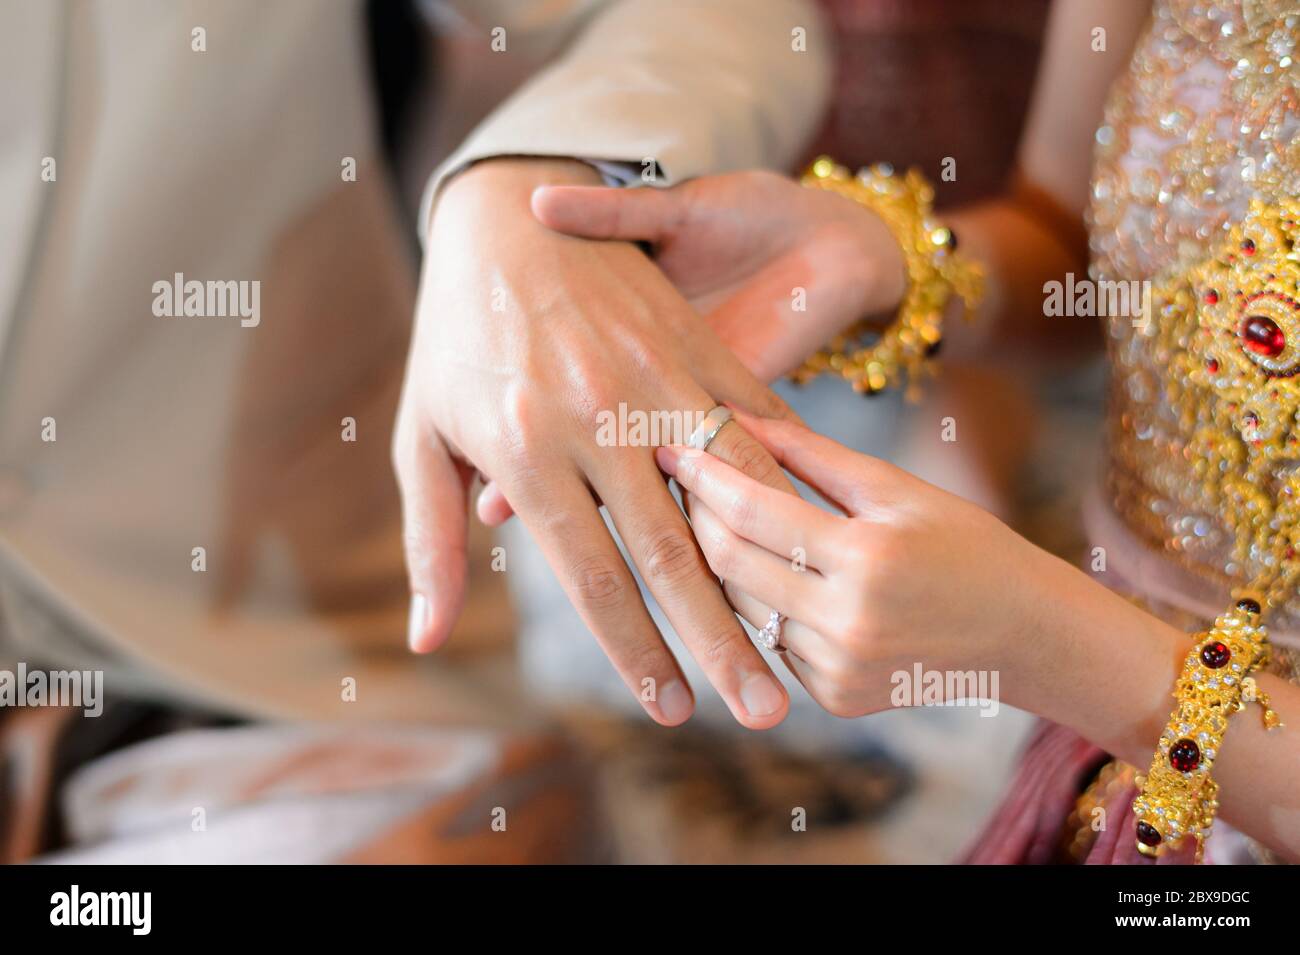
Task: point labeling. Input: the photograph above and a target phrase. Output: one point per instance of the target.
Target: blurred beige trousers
(177, 433)
(200, 529)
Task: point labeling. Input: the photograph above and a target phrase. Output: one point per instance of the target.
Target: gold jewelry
(1202, 423)
(1081, 826)
(1177, 797)
(1230, 328)
(935, 272)
(1169, 178)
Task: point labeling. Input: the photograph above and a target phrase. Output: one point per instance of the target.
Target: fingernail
(760, 695)
(666, 457)
(675, 702)
(418, 622)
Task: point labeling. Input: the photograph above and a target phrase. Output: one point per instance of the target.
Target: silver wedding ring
(770, 635)
(713, 422)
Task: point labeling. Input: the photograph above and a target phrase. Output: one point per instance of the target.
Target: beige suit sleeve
(695, 87)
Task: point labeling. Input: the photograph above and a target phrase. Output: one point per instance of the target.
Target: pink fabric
(1027, 829)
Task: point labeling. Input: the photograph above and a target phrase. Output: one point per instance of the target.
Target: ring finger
(662, 547)
(795, 592)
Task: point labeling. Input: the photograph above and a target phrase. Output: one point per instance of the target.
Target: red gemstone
(1215, 655)
(1212, 297)
(1147, 834)
(1212, 366)
(1185, 755)
(1248, 246)
(1261, 335)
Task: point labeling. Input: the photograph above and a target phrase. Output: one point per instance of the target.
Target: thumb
(434, 532)
(600, 212)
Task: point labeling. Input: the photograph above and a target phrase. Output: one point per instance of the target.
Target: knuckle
(597, 583)
(750, 457)
(873, 556)
(525, 482)
(854, 631)
(740, 513)
(769, 405)
(854, 553)
(717, 645)
(650, 363)
(521, 432)
(530, 481)
(887, 548)
(645, 660)
(671, 558)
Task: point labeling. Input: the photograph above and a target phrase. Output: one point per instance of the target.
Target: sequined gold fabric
(1206, 119)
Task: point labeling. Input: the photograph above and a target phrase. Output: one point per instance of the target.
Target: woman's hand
(740, 248)
(909, 574)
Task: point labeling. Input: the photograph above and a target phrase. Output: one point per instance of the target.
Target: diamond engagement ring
(770, 635)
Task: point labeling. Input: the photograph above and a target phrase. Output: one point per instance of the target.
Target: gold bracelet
(1177, 797)
(935, 272)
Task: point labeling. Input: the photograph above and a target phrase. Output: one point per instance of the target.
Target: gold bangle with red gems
(935, 273)
(1177, 797)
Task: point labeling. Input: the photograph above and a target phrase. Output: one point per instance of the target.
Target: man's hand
(523, 336)
(777, 269)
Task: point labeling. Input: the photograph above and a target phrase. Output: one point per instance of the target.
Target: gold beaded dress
(1199, 145)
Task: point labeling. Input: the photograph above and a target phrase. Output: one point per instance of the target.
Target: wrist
(1097, 663)
(882, 268)
(507, 182)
